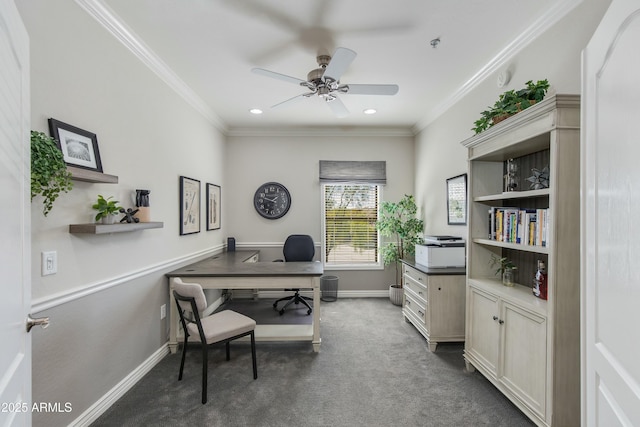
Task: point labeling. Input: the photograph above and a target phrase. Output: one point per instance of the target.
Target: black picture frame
(189, 205)
(457, 200)
(79, 147)
(213, 207)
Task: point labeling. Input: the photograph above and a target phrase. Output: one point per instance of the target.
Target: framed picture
(79, 147)
(457, 200)
(213, 207)
(189, 205)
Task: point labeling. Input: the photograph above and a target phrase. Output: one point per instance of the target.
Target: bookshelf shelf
(511, 336)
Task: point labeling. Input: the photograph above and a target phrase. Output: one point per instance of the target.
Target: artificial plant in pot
(510, 103)
(398, 221)
(49, 175)
(107, 209)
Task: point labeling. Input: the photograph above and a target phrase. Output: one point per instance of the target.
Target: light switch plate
(49, 263)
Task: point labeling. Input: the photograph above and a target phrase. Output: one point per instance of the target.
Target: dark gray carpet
(374, 369)
(263, 313)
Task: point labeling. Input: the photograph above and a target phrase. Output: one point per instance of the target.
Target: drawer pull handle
(495, 317)
(421, 313)
(501, 321)
(407, 302)
(420, 293)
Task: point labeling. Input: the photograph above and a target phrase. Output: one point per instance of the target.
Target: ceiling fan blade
(339, 63)
(369, 89)
(338, 108)
(274, 75)
(292, 101)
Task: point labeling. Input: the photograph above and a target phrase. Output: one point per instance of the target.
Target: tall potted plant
(398, 221)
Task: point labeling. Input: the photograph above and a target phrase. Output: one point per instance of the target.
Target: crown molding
(125, 35)
(304, 131)
(555, 13)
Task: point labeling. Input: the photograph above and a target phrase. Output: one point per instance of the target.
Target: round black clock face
(272, 200)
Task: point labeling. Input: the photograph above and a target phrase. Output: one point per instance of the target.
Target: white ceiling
(212, 45)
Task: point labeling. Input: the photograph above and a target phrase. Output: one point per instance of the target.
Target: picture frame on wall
(79, 147)
(457, 200)
(189, 205)
(213, 206)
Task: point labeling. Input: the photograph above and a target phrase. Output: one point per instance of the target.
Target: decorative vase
(395, 294)
(507, 277)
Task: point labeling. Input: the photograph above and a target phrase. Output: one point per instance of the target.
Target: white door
(610, 253)
(15, 219)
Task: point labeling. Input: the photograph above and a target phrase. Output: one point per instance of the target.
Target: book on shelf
(518, 226)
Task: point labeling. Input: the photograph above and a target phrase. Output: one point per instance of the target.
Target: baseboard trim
(106, 401)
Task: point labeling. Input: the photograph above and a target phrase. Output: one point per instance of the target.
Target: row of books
(520, 226)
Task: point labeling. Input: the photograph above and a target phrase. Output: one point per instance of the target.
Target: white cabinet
(434, 302)
(527, 347)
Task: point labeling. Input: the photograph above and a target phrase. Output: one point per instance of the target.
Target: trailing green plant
(49, 175)
(512, 102)
(398, 220)
(105, 207)
(501, 264)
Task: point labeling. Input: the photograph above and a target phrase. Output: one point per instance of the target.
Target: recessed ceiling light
(370, 111)
(255, 111)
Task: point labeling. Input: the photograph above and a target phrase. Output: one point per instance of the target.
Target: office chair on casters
(297, 247)
(222, 327)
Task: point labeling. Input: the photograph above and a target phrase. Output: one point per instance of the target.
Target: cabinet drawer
(415, 275)
(417, 290)
(415, 307)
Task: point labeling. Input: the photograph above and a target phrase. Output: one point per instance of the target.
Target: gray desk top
(231, 264)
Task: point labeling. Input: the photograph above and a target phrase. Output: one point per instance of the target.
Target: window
(350, 212)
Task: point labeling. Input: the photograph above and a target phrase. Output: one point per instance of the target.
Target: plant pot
(109, 219)
(395, 294)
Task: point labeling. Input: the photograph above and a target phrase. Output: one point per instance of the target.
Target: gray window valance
(373, 172)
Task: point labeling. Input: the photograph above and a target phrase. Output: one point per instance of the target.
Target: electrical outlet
(49, 263)
(163, 311)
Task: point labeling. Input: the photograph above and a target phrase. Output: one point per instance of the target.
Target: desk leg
(316, 314)
(173, 321)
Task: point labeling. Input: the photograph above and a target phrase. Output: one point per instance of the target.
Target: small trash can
(329, 288)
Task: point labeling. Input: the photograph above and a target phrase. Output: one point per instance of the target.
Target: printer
(441, 252)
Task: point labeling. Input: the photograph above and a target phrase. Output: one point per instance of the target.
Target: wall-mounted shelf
(87, 175)
(112, 228)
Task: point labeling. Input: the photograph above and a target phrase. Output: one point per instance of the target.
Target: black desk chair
(297, 247)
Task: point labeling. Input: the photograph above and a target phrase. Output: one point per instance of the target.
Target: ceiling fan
(325, 82)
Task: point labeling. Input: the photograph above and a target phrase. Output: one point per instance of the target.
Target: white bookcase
(527, 347)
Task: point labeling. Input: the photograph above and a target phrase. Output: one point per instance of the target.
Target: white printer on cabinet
(441, 252)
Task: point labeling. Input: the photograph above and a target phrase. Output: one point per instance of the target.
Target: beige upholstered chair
(222, 327)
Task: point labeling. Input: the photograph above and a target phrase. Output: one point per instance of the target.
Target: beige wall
(293, 159)
(148, 136)
(555, 55)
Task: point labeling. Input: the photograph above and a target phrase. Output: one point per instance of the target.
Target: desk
(242, 270)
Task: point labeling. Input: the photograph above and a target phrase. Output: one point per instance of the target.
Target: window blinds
(372, 172)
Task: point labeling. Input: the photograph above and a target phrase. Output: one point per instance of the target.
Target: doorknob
(42, 321)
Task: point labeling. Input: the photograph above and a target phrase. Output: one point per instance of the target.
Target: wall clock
(272, 200)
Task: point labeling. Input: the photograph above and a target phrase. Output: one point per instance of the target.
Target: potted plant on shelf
(107, 209)
(49, 175)
(511, 102)
(398, 220)
(505, 268)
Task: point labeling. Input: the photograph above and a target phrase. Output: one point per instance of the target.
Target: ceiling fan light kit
(325, 82)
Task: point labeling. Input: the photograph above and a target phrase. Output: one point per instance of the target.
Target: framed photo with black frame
(213, 207)
(457, 200)
(79, 147)
(189, 205)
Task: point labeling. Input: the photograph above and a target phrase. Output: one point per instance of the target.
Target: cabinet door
(523, 365)
(484, 331)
